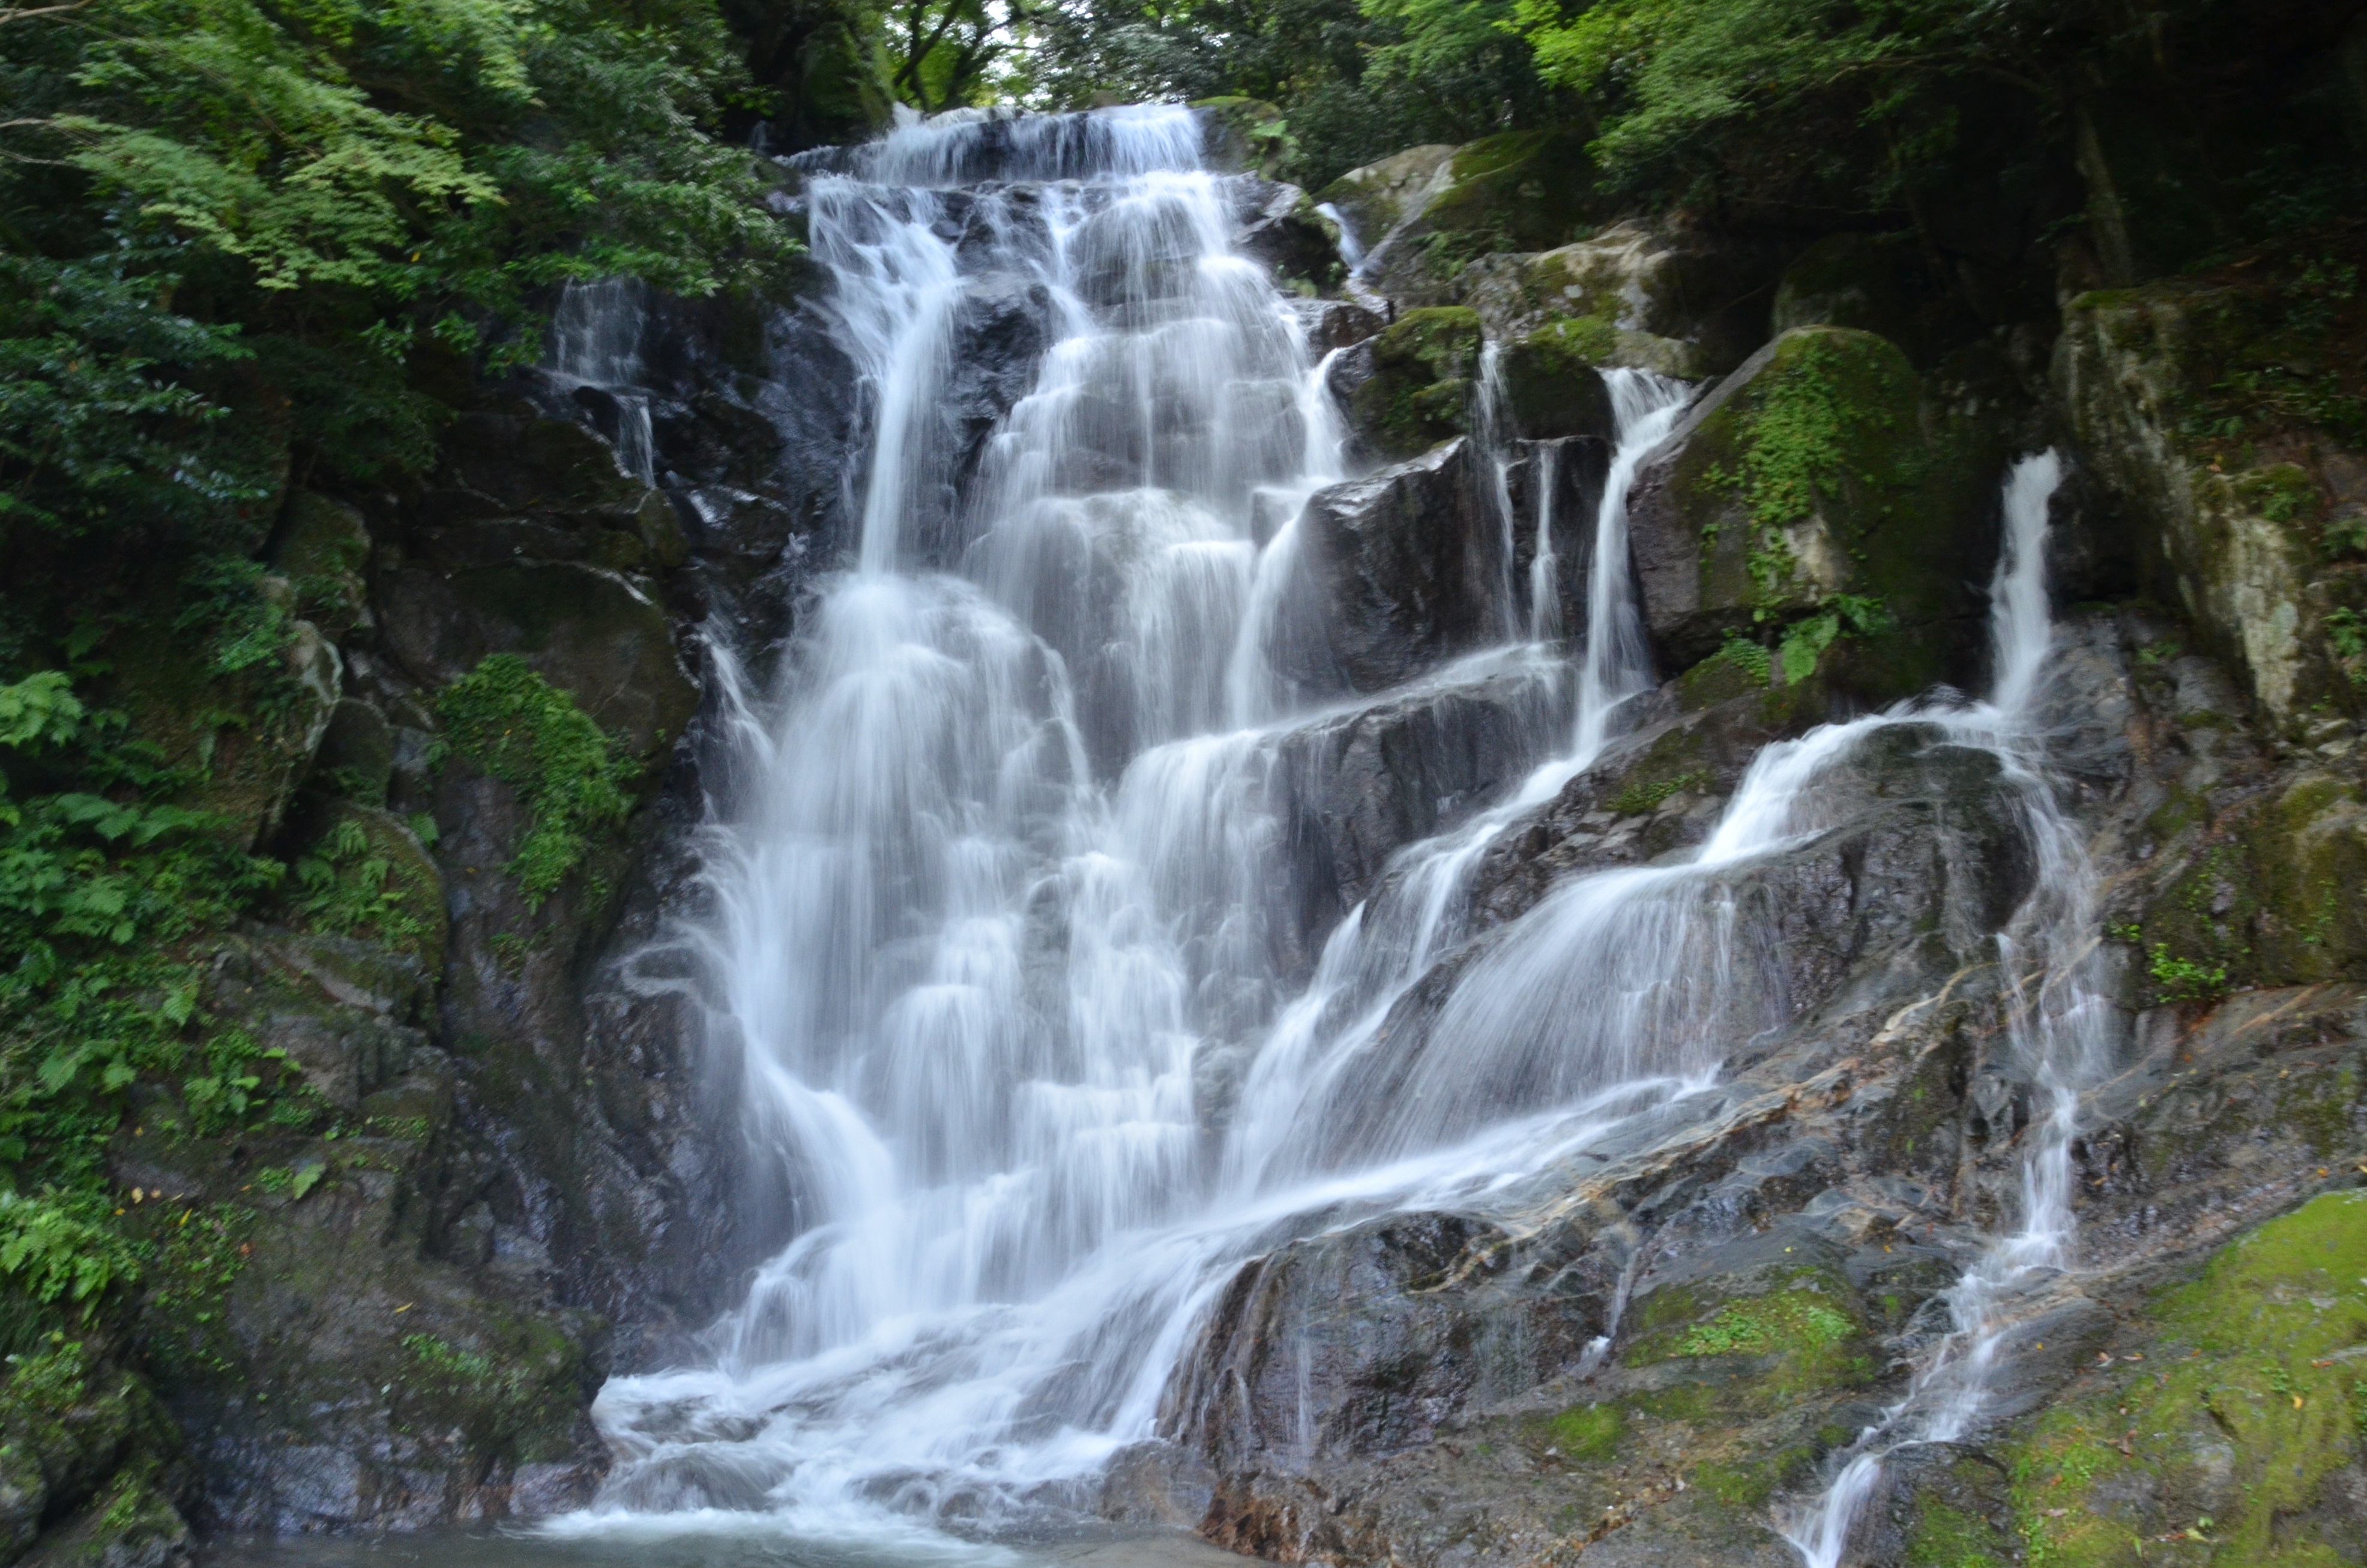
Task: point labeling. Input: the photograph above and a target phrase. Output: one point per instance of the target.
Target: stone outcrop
(2233, 509)
(1817, 482)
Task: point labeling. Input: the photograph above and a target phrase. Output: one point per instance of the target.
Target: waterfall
(595, 347)
(999, 898)
(2059, 1022)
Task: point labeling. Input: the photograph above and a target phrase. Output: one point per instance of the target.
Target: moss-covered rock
(593, 633)
(1525, 190)
(321, 547)
(1551, 385)
(2231, 1430)
(2264, 896)
(1815, 501)
(2222, 416)
(1377, 198)
(1424, 371)
(245, 720)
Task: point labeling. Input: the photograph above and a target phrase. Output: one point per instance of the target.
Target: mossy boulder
(1522, 190)
(1377, 197)
(2219, 415)
(595, 634)
(2266, 895)
(244, 721)
(1552, 387)
(1425, 368)
(2230, 1428)
(1815, 500)
(321, 548)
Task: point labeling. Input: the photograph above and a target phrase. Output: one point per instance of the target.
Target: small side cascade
(2058, 1020)
(595, 347)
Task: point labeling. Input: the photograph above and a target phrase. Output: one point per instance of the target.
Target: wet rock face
(1765, 1261)
(2260, 545)
(1401, 571)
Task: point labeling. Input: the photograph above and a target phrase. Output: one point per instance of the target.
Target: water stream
(999, 902)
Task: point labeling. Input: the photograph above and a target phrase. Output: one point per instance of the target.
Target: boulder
(2233, 502)
(1283, 232)
(1552, 387)
(1396, 572)
(1374, 200)
(1412, 387)
(1812, 499)
(1521, 191)
(321, 548)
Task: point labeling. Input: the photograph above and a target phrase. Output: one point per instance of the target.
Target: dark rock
(591, 632)
(1413, 388)
(1284, 234)
(1396, 572)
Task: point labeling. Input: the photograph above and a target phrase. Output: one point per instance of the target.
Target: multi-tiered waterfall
(997, 897)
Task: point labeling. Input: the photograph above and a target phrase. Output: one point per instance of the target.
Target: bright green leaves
(568, 773)
(51, 1254)
(39, 712)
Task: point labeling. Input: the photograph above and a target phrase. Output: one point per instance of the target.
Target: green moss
(1948, 1537)
(1748, 1484)
(1822, 487)
(1760, 1326)
(1420, 391)
(1812, 1341)
(2244, 1409)
(568, 773)
(1588, 1433)
(1524, 191)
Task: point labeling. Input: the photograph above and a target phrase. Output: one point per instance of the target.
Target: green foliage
(2346, 634)
(100, 883)
(230, 233)
(1353, 84)
(443, 1361)
(1639, 797)
(1804, 641)
(568, 773)
(50, 1254)
(350, 891)
(2184, 980)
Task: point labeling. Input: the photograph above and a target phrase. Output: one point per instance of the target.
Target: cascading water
(2059, 1022)
(1004, 879)
(596, 344)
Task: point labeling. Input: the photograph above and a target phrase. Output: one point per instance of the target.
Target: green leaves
(51, 1255)
(39, 710)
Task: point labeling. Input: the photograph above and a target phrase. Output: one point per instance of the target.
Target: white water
(596, 341)
(999, 900)
(2059, 1024)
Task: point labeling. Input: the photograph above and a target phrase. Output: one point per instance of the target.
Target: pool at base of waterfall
(749, 1541)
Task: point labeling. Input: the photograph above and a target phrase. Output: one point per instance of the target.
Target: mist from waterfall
(1002, 896)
